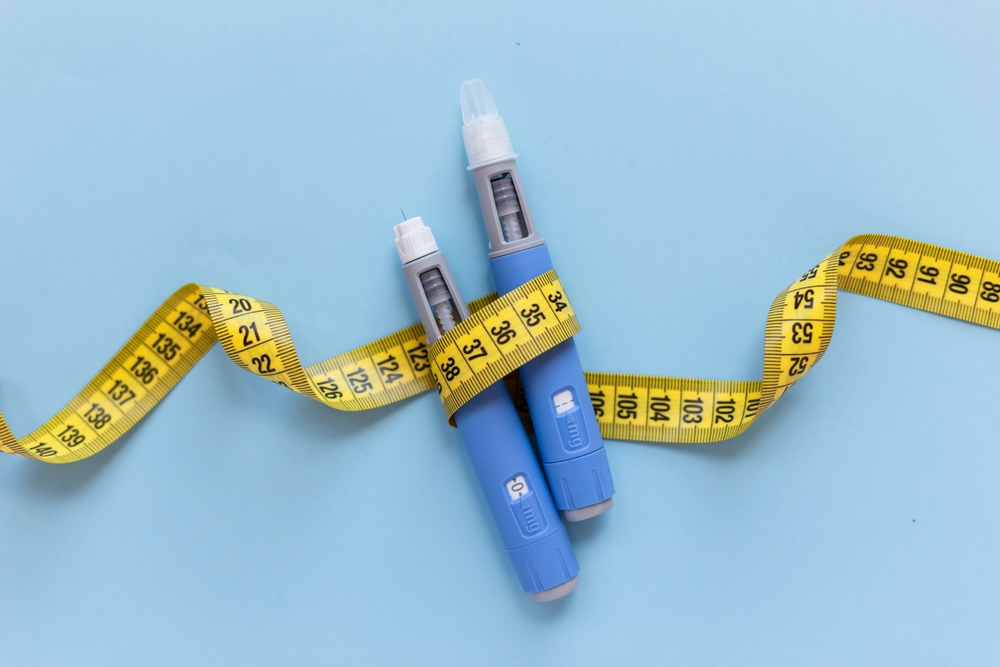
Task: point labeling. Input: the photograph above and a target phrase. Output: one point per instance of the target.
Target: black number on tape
(724, 410)
(503, 333)
(387, 369)
(246, 330)
(97, 416)
(991, 292)
(627, 405)
(474, 350)
(659, 406)
(166, 347)
(802, 332)
(798, 366)
(896, 268)
(71, 436)
(240, 306)
(866, 261)
(533, 316)
(120, 393)
(263, 364)
(329, 388)
(556, 300)
(43, 450)
(692, 410)
(597, 400)
(359, 381)
(418, 357)
(959, 283)
(929, 273)
(185, 323)
(144, 370)
(450, 369)
(804, 299)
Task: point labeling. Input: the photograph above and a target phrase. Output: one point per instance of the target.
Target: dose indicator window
(517, 487)
(563, 401)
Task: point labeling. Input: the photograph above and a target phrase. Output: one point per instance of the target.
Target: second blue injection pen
(501, 454)
(569, 441)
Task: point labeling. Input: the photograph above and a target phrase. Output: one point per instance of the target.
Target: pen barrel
(515, 490)
(509, 475)
(569, 440)
(571, 446)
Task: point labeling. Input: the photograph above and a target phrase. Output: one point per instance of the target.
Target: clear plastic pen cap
(485, 133)
(477, 103)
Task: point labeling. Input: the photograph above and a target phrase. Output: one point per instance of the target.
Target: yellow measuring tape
(501, 335)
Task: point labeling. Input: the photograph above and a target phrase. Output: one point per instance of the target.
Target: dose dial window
(563, 401)
(517, 487)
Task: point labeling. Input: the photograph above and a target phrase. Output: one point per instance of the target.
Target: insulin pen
(501, 454)
(569, 441)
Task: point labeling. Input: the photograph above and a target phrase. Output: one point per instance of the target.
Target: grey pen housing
(499, 244)
(413, 271)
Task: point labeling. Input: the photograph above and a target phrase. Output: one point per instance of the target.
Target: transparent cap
(477, 103)
(485, 133)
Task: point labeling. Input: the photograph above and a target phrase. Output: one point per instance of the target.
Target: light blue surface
(685, 162)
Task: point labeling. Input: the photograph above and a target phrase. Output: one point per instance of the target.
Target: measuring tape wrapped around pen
(501, 335)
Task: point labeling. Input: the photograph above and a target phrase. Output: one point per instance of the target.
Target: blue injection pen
(571, 446)
(501, 454)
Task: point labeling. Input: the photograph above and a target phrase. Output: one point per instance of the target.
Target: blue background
(685, 163)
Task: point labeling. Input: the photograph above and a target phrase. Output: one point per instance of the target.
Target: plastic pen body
(501, 454)
(569, 440)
